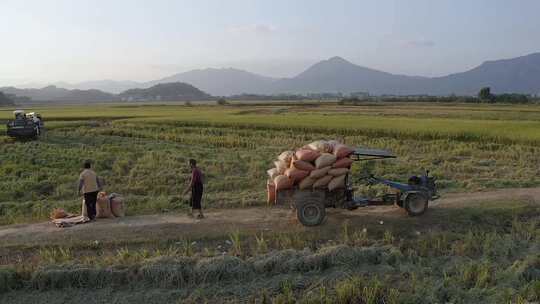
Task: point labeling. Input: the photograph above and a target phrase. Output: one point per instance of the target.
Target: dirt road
(221, 222)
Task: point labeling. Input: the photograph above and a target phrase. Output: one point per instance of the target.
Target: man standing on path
(89, 186)
(196, 186)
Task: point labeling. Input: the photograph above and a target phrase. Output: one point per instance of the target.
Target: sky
(46, 41)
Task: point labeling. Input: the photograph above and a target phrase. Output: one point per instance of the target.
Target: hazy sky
(77, 40)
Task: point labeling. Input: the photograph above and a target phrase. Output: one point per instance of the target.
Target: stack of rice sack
(319, 165)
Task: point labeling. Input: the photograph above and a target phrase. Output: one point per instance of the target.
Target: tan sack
(343, 163)
(271, 192)
(333, 143)
(283, 182)
(306, 183)
(307, 155)
(281, 166)
(318, 173)
(118, 206)
(84, 211)
(322, 182)
(103, 206)
(296, 175)
(337, 182)
(321, 146)
(286, 156)
(58, 213)
(325, 160)
(303, 165)
(341, 151)
(338, 171)
(272, 173)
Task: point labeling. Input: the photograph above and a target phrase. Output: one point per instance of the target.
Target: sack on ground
(306, 183)
(343, 163)
(318, 173)
(337, 182)
(103, 206)
(338, 171)
(303, 165)
(341, 151)
(307, 155)
(58, 213)
(322, 182)
(283, 182)
(118, 205)
(84, 211)
(295, 174)
(325, 160)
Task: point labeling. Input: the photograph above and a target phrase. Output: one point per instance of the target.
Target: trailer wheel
(310, 213)
(416, 204)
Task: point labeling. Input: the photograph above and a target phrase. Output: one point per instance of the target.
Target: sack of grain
(338, 171)
(337, 182)
(303, 165)
(306, 183)
(272, 173)
(58, 213)
(333, 143)
(118, 206)
(321, 146)
(343, 163)
(318, 173)
(286, 156)
(325, 160)
(271, 192)
(322, 182)
(281, 166)
(296, 175)
(307, 155)
(341, 151)
(84, 211)
(283, 182)
(103, 206)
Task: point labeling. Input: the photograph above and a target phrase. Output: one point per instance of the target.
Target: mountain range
(516, 75)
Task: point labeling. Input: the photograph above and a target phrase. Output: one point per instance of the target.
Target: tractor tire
(416, 204)
(310, 213)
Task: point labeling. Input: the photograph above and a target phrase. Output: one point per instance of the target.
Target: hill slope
(222, 82)
(517, 75)
(176, 91)
(53, 93)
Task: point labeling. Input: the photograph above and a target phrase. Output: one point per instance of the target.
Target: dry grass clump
(168, 272)
(9, 279)
(221, 268)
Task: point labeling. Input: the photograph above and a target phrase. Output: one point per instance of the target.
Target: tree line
(483, 96)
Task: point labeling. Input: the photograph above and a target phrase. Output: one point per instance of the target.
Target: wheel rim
(311, 213)
(416, 203)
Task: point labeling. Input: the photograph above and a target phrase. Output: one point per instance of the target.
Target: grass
(485, 252)
(495, 262)
(141, 151)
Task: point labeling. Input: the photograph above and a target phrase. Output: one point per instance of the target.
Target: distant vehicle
(25, 126)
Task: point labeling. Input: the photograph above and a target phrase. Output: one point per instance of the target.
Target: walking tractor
(311, 204)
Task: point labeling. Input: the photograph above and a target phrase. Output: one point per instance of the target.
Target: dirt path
(219, 222)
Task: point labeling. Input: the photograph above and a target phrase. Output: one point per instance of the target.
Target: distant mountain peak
(337, 59)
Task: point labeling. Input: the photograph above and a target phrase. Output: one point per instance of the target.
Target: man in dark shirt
(196, 186)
